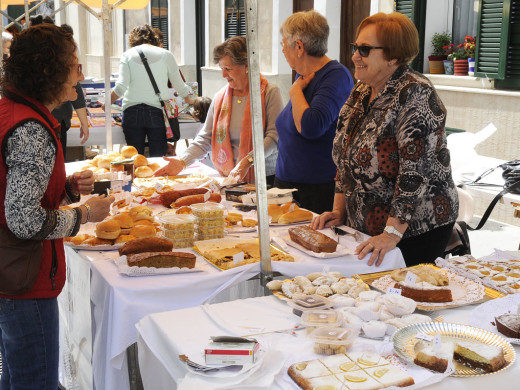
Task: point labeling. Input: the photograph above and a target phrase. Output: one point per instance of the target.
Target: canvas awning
(128, 4)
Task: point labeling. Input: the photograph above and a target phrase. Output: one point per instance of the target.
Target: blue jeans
(29, 337)
(142, 121)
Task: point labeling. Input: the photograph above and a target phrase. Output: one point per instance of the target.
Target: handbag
(511, 176)
(19, 262)
(170, 114)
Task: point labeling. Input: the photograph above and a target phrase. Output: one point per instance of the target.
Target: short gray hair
(311, 28)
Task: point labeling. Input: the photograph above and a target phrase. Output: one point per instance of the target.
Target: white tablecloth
(119, 302)
(163, 336)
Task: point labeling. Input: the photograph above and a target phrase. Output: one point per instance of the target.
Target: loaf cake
(424, 292)
(162, 260)
(489, 358)
(426, 356)
(147, 244)
(509, 325)
(348, 371)
(312, 239)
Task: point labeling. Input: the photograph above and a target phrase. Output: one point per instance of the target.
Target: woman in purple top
(307, 125)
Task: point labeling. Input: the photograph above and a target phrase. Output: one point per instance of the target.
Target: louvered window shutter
(159, 18)
(498, 42)
(416, 11)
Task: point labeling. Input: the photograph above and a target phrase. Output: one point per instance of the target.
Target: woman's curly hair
(40, 63)
(143, 34)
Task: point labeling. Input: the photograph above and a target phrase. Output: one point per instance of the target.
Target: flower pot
(448, 67)
(461, 67)
(471, 66)
(436, 65)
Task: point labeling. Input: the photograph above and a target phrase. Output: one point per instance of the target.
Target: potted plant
(460, 59)
(439, 40)
(469, 48)
(448, 62)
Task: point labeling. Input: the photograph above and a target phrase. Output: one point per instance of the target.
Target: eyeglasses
(364, 50)
(80, 69)
(282, 44)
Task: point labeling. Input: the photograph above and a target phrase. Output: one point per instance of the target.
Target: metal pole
(107, 28)
(26, 7)
(255, 102)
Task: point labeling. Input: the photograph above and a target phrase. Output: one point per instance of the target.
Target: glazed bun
(128, 151)
(143, 171)
(108, 230)
(286, 207)
(125, 222)
(154, 166)
(124, 238)
(144, 222)
(142, 231)
(79, 239)
(97, 241)
(104, 162)
(140, 160)
(275, 212)
(141, 212)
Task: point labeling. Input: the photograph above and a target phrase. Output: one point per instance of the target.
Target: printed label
(392, 290)
(238, 258)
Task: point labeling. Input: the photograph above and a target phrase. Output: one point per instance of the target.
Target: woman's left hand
(240, 170)
(379, 246)
(83, 182)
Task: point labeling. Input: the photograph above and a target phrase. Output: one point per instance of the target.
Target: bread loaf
(275, 212)
(300, 215)
(312, 239)
(148, 244)
(162, 259)
(168, 197)
(192, 199)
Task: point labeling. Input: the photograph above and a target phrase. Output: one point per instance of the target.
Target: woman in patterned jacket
(394, 177)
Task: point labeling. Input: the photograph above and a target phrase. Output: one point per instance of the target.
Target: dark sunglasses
(364, 50)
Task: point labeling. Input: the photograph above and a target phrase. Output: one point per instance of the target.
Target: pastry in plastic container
(333, 340)
(171, 221)
(182, 242)
(316, 318)
(208, 210)
(210, 222)
(179, 234)
(309, 302)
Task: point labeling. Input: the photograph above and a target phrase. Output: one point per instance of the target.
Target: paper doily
(125, 269)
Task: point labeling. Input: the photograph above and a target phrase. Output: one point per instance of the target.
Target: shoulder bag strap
(491, 206)
(150, 74)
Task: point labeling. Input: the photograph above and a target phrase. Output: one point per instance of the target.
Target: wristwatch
(250, 159)
(392, 230)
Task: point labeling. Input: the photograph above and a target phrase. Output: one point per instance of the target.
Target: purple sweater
(307, 157)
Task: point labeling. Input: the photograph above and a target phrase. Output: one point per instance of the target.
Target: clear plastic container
(211, 230)
(333, 340)
(316, 318)
(171, 221)
(182, 242)
(179, 234)
(210, 222)
(309, 302)
(206, 236)
(208, 210)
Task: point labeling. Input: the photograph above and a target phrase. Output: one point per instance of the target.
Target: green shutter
(498, 42)
(416, 11)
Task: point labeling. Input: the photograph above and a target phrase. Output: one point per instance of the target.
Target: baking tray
(232, 242)
(489, 293)
(404, 340)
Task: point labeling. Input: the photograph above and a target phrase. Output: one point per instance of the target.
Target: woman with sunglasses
(307, 125)
(40, 74)
(394, 177)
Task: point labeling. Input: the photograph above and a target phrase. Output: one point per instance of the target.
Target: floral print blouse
(392, 157)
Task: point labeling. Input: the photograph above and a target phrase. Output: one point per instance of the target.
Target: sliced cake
(424, 292)
(390, 375)
(433, 359)
(489, 358)
(509, 325)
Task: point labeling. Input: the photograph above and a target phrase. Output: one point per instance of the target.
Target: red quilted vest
(14, 110)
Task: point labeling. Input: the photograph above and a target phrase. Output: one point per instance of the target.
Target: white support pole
(107, 28)
(26, 12)
(255, 102)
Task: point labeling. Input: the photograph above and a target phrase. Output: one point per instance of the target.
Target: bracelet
(88, 211)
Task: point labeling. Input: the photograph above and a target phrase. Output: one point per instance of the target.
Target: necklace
(239, 100)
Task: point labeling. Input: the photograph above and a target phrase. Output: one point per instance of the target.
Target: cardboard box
(231, 350)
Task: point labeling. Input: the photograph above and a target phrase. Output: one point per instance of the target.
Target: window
(235, 18)
(416, 11)
(159, 17)
(498, 42)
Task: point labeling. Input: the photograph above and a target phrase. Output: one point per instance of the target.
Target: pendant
(239, 101)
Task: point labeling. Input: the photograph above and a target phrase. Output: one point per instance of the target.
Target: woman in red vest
(40, 74)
